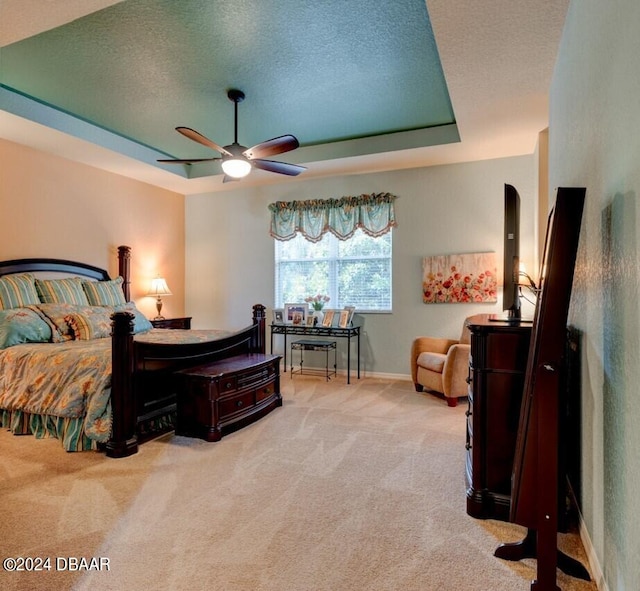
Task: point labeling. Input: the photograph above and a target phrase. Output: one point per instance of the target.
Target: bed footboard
(142, 372)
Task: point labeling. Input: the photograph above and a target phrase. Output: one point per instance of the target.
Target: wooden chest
(217, 398)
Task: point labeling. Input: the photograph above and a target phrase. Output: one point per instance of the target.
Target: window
(354, 272)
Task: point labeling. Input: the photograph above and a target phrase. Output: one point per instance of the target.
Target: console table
(348, 333)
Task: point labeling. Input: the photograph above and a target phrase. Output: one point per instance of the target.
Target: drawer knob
(239, 403)
(229, 385)
(267, 390)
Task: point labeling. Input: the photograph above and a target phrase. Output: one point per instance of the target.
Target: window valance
(373, 214)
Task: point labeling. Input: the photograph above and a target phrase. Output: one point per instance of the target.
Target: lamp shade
(159, 287)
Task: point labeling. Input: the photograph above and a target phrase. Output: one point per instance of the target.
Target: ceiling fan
(238, 160)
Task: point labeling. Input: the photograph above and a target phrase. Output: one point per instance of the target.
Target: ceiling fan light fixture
(237, 168)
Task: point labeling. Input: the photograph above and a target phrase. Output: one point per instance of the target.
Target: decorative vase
(319, 317)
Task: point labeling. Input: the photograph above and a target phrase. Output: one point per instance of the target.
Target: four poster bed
(79, 362)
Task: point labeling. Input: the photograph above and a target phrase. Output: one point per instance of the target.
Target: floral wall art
(460, 278)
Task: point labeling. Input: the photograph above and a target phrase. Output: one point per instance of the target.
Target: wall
(440, 210)
(52, 207)
(594, 141)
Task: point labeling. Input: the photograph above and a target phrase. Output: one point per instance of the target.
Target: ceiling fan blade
(272, 147)
(192, 134)
(187, 160)
(279, 167)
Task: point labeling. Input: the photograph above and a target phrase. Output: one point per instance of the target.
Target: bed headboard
(42, 266)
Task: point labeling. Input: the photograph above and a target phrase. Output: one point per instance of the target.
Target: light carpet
(345, 488)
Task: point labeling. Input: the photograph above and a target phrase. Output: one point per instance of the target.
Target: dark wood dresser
(497, 368)
(217, 398)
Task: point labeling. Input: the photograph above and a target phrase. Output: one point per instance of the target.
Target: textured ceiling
(359, 82)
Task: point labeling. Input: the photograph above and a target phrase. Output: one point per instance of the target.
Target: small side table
(313, 345)
(184, 323)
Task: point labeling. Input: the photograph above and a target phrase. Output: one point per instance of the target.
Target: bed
(93, 372)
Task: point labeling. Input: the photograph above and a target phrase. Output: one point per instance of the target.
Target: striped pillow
(92, 323)
(17, 291)
(61, 291)
(104, 293)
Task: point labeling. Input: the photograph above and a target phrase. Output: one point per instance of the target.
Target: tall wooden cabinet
(497, 368)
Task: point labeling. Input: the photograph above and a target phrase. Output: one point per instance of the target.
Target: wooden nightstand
(184, 323)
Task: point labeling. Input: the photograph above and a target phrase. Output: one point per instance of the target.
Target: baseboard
(354, 373)
(594, 563)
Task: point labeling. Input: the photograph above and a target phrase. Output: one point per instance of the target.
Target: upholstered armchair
(442, 365)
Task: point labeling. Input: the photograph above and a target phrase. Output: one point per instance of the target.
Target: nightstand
(184, 323)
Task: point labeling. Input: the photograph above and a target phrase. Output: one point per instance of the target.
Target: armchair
(442, 365)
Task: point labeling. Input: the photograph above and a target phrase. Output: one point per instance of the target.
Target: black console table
(348, 333)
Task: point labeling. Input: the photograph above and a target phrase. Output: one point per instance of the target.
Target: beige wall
(56, 208)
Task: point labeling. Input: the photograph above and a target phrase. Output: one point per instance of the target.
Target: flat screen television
(511, 258)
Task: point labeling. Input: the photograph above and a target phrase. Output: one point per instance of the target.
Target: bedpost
(124, 441)
(124, 269)
(259, 318)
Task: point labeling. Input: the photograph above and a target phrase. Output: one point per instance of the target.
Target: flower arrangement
(318, 301)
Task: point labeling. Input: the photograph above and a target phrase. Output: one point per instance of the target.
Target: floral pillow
(54, 315)
(94, 322)
(22, 325)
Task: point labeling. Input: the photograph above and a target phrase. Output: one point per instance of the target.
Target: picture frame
(278, 316)
(310, 321)
(296, 314)
(344, 318)
(327, 321)
(352, 310)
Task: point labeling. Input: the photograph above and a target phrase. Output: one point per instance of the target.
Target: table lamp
(159, 288)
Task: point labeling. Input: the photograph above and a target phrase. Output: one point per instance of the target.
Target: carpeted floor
(344, 488)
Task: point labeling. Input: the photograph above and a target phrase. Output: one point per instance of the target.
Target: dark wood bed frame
(142, 385)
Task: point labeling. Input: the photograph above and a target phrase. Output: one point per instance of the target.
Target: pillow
(18, 290)
(54, 315)
(104, 293)
(22, 325)
(91, 323)
(61, 291)
(94, 322)
(140, 322)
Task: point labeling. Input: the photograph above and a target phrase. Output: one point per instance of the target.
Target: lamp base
(159, 308)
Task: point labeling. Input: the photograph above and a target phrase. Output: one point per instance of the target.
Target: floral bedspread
(73, 379)
(69, 380)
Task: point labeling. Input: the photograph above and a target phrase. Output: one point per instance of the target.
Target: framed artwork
(328, 318)
(351, 310)
(460, 278)
(310, 320)
(344, 319)
(278, 316)
(296, 314)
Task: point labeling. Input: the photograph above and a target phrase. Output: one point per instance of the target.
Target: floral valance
(373, 214)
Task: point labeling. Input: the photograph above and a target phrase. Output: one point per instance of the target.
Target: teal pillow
(104, 293)
(22, 325)
(140, 322)
(62, 291)
(18, 290)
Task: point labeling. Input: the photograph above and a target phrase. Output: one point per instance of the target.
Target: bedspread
(71, 381)
(67, 380)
